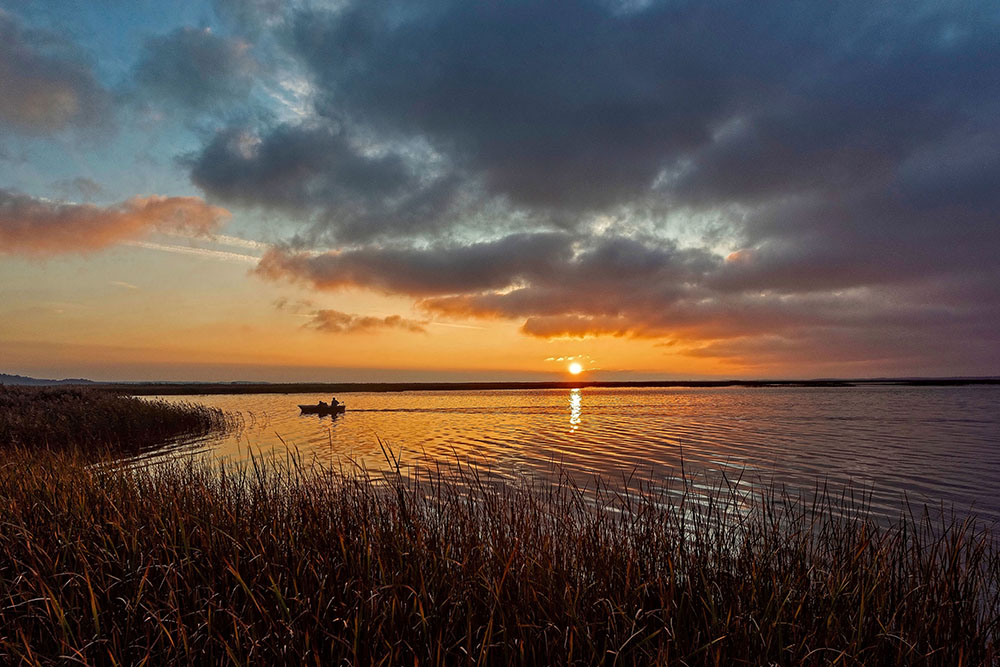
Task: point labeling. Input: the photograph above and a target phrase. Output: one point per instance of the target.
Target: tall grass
(96, 421)
(291, 564)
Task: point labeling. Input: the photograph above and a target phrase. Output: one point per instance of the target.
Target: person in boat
(322, 404)
(334, 402)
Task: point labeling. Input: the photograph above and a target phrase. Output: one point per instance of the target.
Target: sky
(482, 190)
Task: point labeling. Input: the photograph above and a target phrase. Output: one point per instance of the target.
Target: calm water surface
(935, 445)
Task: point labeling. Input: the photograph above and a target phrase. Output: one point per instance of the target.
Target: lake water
(935, 445)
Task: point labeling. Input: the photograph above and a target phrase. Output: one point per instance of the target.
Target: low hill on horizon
(23, 380)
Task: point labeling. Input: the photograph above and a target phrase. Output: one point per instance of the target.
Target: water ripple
(934, 445)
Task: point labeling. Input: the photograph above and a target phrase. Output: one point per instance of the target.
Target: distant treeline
(6, 378)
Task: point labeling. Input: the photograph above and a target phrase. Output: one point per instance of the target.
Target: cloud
(196, 69)
(334, 321)
(299, 307)
(252, 16)
(575, 105)
(562, 104)
(316, 170)
(293, 168)
(195, 251)
(46, 82)
(721, 174)
(37, 227)
(552, 113)
(872, 351)
(561, 286)
(444, 269)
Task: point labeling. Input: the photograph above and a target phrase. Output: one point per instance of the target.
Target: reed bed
(97, 421)
(288, 563)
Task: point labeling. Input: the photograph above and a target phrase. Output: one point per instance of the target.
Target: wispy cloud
(196, 252)
(220, 239)
(238, 242)
(335, 321)
(455, 326)
(122, 284)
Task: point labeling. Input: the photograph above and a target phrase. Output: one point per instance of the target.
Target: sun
(575, 368)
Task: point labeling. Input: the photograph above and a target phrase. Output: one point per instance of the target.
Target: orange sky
(136, 313)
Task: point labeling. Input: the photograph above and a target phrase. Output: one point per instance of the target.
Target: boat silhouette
(323, 409)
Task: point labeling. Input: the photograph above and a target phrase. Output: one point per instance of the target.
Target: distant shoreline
(196, 388)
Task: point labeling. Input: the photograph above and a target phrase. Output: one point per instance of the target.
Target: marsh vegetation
(97, 421)
(295, 563)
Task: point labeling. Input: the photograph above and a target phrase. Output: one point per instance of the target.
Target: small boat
(323, 409)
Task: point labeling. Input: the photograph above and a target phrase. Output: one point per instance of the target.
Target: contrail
(198, 252)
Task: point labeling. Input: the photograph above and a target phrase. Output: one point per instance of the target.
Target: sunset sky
(437, 190)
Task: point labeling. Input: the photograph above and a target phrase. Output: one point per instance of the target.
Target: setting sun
(575, 368)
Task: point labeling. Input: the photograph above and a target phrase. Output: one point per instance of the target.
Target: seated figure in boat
(334, 402)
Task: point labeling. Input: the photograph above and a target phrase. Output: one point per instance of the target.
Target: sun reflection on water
(575, 409)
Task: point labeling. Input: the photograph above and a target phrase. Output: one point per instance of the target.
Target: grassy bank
(96, 421)
(268, 565)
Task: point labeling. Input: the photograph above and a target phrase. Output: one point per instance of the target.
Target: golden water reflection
(575, 409)
(884, 438)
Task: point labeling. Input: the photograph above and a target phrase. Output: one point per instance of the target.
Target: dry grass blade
(284, 563)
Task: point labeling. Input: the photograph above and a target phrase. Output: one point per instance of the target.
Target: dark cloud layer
(615, 285)
(556, 104)
(472, 155)
(196, 69)
(444, 269)
(46, 84)
(315, 171)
